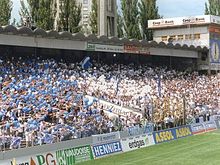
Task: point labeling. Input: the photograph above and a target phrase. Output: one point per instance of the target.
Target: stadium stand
(43, 100)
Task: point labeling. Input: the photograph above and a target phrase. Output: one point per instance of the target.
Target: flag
(16, 142)
(159, 85)
(110, 110)
(85, 63)
(117, 84)
(48, 138)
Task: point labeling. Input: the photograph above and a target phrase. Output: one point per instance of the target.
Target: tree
(131, 18)
(70, 16)
(41, 12)
(45, 15)
(25, 15)
(75, 17)
(64, 15)
(5, 12)
(94, 17)
(148, 10)
(213, 7)
(33, 6)
(120, 26)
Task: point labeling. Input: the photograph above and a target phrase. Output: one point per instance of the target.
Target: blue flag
(159, 85)
(85, 63)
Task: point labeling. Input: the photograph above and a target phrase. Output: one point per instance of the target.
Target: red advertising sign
(136, 49)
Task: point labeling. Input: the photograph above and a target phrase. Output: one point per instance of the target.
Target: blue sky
(167, 8)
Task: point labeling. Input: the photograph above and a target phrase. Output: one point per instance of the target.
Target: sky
(167, 8)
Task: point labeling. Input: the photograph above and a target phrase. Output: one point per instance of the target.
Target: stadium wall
(97, 146)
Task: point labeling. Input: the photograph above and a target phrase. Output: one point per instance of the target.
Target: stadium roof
(40, 33)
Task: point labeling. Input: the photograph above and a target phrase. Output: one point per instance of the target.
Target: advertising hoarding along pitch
(197, 128)
(74, 155)
(106, 149)
(103, 138)
(136, 142)
(48, 158)
(210, 126)
(203, 127)
(172, 134)
(69, 156)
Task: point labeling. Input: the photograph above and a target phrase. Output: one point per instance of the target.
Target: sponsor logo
(163, 23)
(164, 136)
(106, 138)
(74, 155)
(113, 136)
(136, 144)
(171, 134)
(182, 132)
(90, 47)
(105, 149)
(193, 20)
(47, 159)
(198, 128)
(13, 162)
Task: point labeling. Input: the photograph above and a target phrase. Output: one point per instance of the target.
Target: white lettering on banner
(100, 138)
(105, 149)
(105, 48)
(109, 48)
(136, 142)
(116, 109)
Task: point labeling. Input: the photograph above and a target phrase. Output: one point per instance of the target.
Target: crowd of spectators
(43, 101)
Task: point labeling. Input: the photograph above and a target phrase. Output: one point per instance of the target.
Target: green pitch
(201, 149)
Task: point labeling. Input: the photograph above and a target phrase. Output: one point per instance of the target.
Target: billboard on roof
(178, 21)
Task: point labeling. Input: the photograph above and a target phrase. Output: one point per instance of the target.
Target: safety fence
(98, 146)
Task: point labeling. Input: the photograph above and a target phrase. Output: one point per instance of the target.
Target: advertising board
(74, 155)
(214, 51)
(178, 21)
(197, 128)
(217, 123)
(60, 157)
(172, 134)
(210, 126)
(38, 159)
(102, 138)
(106, 149)
(136, 49)
(105, 48)
(136, 142)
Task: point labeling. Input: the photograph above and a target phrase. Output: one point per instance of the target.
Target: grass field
(201, 149)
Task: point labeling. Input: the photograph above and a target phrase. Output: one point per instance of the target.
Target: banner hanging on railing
(103, 138)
